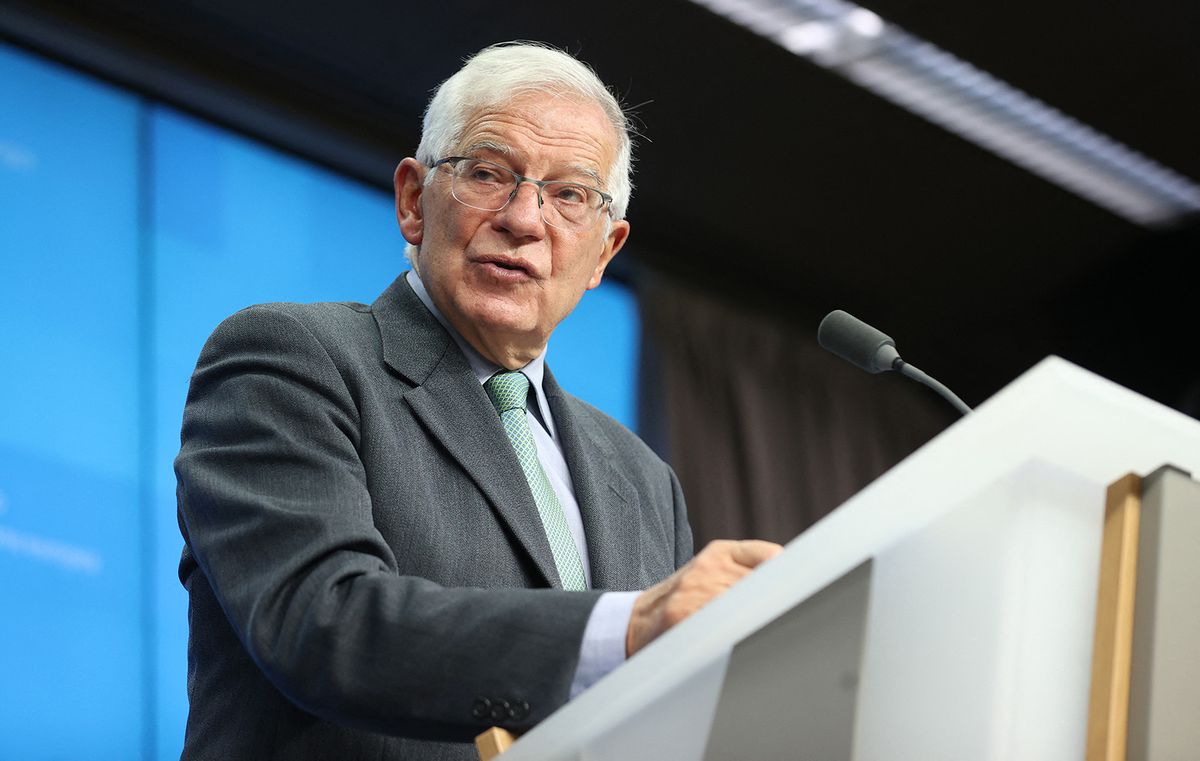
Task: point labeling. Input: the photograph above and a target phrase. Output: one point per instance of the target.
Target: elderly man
(399, 529)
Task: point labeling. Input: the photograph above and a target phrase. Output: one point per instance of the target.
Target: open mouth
(506, 265)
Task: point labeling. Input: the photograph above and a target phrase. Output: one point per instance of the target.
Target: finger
(752, 552)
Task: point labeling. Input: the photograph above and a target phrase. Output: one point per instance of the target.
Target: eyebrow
(508, 152)
(488, 145)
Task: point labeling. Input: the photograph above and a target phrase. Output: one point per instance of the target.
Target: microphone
(874, 351)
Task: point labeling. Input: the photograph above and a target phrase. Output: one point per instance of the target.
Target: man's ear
(409, 182)
(612, 244)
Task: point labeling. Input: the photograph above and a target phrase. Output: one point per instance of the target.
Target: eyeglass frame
(606, 199)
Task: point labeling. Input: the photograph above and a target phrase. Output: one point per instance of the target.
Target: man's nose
(523, 213)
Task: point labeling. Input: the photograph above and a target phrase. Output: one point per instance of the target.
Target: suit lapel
(454, 408)
(607, 501)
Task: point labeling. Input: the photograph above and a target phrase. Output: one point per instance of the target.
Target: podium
(947, 611)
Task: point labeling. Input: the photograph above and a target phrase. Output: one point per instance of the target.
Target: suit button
(519, 710)
(500, 710)
(481, 708)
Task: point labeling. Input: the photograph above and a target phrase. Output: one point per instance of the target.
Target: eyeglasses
(490, 187)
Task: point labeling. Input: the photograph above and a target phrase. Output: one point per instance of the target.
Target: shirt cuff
(603, 647)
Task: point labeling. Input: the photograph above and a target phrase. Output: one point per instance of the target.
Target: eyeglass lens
(487, 186)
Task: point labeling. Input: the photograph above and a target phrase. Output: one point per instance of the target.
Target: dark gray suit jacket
(368, 576)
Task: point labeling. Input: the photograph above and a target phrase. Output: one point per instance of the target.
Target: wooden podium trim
(493, 742)
(1108, 712)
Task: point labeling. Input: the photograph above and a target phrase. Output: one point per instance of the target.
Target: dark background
(761, 178)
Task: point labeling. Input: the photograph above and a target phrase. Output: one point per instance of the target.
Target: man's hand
(719, 566)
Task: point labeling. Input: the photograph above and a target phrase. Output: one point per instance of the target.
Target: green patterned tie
(509, 392)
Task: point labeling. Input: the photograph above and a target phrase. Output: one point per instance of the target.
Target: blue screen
(71, 634)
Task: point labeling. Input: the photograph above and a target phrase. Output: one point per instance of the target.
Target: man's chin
(509, 329)
(503, 319)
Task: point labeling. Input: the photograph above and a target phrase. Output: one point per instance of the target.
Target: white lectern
(945, 612)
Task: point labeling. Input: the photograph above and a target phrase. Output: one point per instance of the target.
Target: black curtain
(767, 431)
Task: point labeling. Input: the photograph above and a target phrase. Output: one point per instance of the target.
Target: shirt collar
(535, 371)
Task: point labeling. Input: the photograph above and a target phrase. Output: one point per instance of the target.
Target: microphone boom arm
(912, 372)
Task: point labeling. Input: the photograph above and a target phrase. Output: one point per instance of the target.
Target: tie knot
(508, 391)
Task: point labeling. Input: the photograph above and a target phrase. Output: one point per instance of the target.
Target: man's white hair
(500, 73)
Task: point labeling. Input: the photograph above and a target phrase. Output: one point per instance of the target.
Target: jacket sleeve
(277, 518)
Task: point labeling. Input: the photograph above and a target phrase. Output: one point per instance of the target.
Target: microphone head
(857, 342)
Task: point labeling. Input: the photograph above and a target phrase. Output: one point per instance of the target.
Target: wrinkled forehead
(538, 131)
